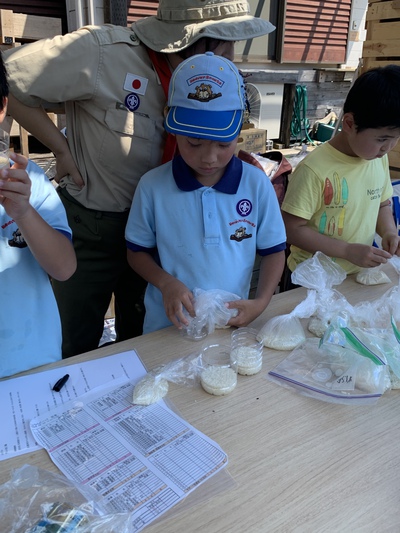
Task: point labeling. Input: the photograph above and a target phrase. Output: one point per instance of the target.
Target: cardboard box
(252, 139)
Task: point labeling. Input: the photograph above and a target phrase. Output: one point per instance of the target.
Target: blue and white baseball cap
(206, 99)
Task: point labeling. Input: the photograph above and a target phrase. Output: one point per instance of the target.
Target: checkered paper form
(140, 459)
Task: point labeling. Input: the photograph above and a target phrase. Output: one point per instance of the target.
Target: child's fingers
(20, 161)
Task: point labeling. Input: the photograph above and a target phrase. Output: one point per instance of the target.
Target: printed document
(142, 459)
(26, 397)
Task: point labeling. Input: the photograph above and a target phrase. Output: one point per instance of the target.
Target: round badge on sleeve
(132, 101)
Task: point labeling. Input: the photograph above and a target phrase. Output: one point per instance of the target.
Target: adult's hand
(65, 165)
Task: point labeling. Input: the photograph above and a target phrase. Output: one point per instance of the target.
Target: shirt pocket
(131, 144)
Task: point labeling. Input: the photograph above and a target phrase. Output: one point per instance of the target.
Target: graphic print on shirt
(17, 241)
(336, 195)
(243, 208)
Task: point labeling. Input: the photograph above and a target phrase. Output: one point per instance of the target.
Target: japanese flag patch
(135, 84)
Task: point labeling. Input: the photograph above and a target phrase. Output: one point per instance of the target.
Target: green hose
(299, 117)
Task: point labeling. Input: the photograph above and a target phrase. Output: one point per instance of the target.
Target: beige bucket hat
(180, 23)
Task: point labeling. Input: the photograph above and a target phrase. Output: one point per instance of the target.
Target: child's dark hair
(374, 98)
(3, 82)
(205, 44)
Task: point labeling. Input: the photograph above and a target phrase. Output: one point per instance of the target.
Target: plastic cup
(196, 330)
(247, 351)
(219, 370)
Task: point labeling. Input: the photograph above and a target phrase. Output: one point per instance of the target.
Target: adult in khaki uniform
(113, 81)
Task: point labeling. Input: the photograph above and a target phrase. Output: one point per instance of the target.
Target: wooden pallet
(382, 47)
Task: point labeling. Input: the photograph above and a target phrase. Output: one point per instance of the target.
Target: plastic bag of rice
(285, 332)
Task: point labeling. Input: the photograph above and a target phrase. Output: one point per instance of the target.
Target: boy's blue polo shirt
(30, 327)
(207, 237)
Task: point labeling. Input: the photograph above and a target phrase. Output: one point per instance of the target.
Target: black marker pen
(60, 383)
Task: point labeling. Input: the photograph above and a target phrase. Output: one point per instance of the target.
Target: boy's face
(373, 142)
(207, 159)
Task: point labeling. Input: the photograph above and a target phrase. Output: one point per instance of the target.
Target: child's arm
(175, 293)
(304, 237)
(271, 268)
(386, 229)
(52, 250)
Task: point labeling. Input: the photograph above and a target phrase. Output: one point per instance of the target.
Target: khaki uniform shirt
(114, 141)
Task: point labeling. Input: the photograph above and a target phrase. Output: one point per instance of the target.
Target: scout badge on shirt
(132, 102)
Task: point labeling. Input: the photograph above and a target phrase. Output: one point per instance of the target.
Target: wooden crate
(382, 47)
(17, 29)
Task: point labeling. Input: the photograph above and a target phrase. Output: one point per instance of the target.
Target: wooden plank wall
(382, 47)
(326, 91)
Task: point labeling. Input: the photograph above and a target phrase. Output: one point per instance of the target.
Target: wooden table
(297, 464)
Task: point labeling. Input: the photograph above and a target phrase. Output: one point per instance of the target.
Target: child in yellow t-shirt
(338, 197)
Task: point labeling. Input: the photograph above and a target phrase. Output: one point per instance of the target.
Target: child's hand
(176, 296)
(15, 187)
(366, 256)
(248, 310)
(390, 243)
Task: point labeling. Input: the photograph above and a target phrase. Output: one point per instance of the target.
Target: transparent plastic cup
(196, 330)
(219, 369)
(247, 351)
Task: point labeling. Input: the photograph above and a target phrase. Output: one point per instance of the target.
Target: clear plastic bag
(269, 167)
(321, 274)
(330, 304)
(211, 312)
(379, 345)
(332, 373)
(295, 159)
(372, 276)
(285, 332)
(35, 500)
(395, 262)
(376, 313)
(154, 386)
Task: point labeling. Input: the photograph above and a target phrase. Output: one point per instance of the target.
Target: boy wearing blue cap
(199, 220)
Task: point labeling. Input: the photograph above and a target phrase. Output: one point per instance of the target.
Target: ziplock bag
(332, 373)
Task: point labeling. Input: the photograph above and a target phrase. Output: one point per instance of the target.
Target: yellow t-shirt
(340, 197)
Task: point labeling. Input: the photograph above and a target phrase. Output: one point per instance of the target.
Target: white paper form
(139, 458)
(26, 397)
